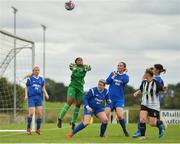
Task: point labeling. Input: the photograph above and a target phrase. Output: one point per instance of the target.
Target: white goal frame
(126, 117)
(3, 69)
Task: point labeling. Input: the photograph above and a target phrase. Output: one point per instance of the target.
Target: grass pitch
(114, 134)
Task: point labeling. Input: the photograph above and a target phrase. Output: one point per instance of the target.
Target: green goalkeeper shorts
(75, 93)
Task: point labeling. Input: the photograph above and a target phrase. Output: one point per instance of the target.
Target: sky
(103, 32)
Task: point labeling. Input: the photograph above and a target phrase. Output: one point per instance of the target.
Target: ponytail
(163, 70)
(30, 74)
(27, 76)
(160, 68)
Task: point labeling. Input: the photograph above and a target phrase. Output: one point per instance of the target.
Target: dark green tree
(57, 91)
(6, 94)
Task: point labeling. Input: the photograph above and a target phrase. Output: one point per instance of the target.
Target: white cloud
(103, 32)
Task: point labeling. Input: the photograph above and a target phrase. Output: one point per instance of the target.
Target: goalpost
(126, 116)
(15, 62)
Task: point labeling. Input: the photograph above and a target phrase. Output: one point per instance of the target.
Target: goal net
(16, 60)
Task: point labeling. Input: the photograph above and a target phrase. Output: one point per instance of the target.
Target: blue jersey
(159, 79)
(95, 98)
(34, 85)
(116, 86)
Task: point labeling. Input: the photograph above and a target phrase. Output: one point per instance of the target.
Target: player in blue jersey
(117, 81)
(34, 94)
(94, 101)
(157, 70)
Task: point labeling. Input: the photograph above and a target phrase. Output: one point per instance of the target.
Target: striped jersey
(150, 94)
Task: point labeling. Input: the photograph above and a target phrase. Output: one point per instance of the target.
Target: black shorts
(151, 112)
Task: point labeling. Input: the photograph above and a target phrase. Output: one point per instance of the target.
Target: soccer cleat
(126, 133)
(28, 131)
(102, 135)
(70, 135)
(137, 134)
(59, 124)
(38, 131)
(73, 125)
(161, 131)
(142, 137)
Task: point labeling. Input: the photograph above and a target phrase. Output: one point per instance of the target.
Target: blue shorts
(115, 104)
(35, 101)
(94, 112)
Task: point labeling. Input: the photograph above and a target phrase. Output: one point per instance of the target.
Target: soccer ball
(69, 5)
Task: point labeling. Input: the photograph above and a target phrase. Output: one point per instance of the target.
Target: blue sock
(122, 123)
(29, 120)
(159, 124)
(78, 128)
(139, 123)
(39, 120)
(103, 129)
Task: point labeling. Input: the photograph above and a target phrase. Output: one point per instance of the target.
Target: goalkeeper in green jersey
(75, 91)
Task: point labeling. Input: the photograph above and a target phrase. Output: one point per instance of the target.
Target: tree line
(57, 92)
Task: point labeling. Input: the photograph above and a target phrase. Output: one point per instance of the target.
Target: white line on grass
(25, 132)
(12, 134)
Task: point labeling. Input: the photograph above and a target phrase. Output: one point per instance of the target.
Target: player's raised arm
(110, 78)
(71, 66)
(87, 68)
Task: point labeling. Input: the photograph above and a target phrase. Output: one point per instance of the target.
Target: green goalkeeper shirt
(78, 75)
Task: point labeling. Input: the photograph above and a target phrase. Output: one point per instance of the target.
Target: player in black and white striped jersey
(150, 105)
(149, 90)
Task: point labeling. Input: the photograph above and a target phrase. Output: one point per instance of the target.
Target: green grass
(54, 104)
(51, 134)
